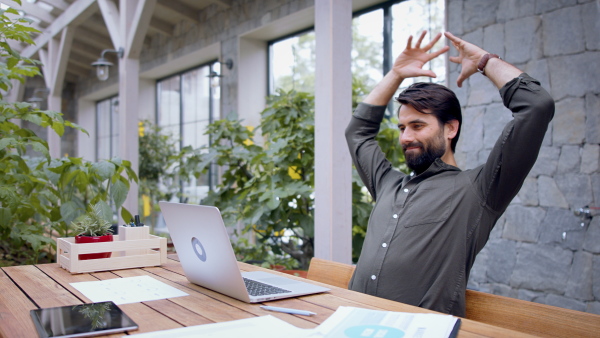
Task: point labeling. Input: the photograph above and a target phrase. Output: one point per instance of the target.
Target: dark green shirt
(425, 231)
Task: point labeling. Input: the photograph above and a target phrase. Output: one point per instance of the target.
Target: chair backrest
(514, 314)
(529, 317)
(330, 272)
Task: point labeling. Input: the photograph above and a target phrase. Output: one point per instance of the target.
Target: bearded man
(426, 228)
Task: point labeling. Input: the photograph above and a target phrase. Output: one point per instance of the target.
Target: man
(427, 227)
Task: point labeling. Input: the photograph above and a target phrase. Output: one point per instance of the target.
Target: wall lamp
(39, 96)
(214, 76)
(102, 65)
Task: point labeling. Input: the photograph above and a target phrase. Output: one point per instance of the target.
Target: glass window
(292, 64)
(411, 18)
(292, 60)
(107, 128)
(187, 104)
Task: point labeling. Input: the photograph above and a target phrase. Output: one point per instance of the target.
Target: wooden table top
(27, 287)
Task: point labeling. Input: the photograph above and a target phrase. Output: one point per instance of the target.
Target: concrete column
(333, 109)
(129, 70)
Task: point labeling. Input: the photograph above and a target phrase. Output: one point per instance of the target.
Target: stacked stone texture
(539, 250)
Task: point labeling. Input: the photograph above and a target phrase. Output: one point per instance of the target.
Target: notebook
(207, 258)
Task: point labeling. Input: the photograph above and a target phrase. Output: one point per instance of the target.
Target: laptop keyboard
(260, 289)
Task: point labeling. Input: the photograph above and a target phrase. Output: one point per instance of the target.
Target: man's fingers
(418, 45)
(435, 39)
(451, 37)
(409, 42)
(454, 59)
(439, 52)
(460, 80)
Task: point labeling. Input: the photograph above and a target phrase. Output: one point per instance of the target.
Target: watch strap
(484, 60)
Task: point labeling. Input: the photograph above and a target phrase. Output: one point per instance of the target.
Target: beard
(433, 149)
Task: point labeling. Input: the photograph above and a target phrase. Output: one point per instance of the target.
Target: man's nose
(406, 136)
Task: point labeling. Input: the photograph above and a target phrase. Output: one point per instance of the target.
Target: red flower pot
(94, 239)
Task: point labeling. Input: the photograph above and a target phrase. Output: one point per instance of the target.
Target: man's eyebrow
(412, 122)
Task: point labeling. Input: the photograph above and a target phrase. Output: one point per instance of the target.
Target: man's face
(421, 137)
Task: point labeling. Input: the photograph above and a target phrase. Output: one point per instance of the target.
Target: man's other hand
(410, 62)
(468, 57)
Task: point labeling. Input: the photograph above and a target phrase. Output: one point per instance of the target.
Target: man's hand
(408, 64)
(468, 57)
(411, 61)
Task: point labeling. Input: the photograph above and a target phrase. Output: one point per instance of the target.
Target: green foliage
(158, 159)
(268, 189)
(41, 195)
(96, 222)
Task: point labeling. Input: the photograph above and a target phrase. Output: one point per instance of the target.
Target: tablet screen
(84, 320)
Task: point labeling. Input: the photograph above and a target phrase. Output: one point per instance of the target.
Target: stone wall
(539, 251)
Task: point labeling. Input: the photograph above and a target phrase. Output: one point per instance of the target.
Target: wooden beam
(45, 60)
(78, 12)
(110, 13)
(139, 28)
(72, 77)
(85, 50)
(58, 4)
(162, 26)
(99, 39)
(61, 59)
(32, 10)
(225, 4)
(181, 9)
(75, 68)
(80, 60)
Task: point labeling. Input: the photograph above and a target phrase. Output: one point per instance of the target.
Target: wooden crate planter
(133, 247)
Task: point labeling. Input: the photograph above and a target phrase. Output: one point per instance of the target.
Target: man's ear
(451, 129)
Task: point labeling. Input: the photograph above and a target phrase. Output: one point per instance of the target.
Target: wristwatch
(484, 60)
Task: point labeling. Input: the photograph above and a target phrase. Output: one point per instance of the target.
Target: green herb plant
(95, 222)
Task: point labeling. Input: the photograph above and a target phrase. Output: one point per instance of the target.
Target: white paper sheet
(127, 290)
(257, 327)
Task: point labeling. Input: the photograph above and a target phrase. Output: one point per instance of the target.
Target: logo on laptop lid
(198, 249)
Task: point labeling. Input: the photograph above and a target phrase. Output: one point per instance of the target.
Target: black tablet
(84, 320)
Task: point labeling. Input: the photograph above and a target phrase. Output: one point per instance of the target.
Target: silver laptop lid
(204, 249)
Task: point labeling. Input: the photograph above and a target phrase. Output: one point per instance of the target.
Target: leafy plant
(268, 188)
(96, 222)
(40, 196)
(157, 174)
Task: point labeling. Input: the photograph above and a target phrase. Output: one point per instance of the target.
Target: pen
(286, 310)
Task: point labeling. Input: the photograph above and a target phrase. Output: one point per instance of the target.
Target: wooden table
(27, 287)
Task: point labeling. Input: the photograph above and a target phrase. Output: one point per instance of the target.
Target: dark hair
(437, 99)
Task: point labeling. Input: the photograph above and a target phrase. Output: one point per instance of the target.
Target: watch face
(82, 320)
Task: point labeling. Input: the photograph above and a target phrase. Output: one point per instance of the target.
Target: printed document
(356, 322)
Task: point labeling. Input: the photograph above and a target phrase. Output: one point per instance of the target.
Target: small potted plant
(93, 227)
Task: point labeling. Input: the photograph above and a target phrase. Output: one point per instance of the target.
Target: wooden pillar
(333, 109)
(54, 141)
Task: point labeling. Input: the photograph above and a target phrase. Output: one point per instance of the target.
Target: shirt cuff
(369, 112)
(509, 89)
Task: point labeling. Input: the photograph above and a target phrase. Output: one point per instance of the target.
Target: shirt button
(395, 216)
(373, 277)
(384, 245)
(405, 190)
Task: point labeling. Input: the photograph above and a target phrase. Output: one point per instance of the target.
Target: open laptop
(207, 258)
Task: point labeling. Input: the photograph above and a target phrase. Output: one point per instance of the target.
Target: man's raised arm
(469, 57)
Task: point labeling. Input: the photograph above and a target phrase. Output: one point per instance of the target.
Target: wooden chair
(330, 272)
(514, 314)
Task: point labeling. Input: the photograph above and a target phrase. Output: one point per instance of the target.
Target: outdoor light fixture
(214, 76)
(38, 97)
(102, 65)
